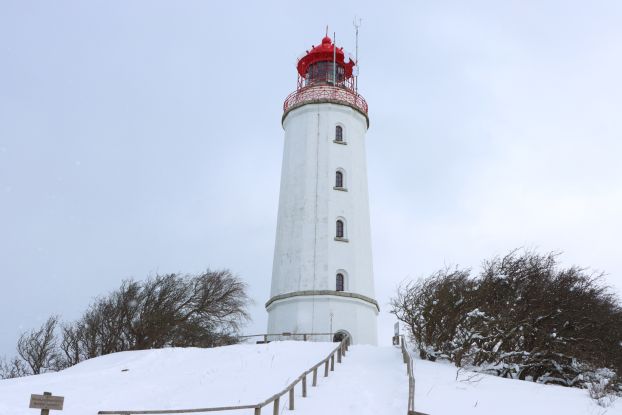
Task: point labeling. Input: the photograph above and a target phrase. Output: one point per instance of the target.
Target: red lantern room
(323, 64)
(325, 75)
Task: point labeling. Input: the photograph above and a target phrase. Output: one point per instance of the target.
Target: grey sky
(143, 137)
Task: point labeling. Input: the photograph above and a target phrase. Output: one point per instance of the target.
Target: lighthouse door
(340, 335)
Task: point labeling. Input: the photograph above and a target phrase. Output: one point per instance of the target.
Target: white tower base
(325, 312)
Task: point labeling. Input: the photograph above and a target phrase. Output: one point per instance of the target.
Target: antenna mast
(357, 24)
(334, 59)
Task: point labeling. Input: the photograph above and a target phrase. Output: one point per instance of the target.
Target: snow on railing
(328, 362)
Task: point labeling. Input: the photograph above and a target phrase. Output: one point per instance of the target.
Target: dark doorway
(339, 336)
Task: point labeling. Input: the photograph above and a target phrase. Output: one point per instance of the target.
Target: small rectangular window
(339, 230)
(338, 133)
(339, 284)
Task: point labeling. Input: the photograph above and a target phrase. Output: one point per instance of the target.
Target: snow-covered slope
(438, 392)
(371, 380)
(169, 378)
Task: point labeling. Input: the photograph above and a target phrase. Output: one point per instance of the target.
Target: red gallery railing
(324, 93)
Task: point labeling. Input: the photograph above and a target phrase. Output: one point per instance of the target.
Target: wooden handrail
(341, 350)
(411, 378)
(408, 360)
(305, 336)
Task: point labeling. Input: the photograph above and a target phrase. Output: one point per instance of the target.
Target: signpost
(46, 402)
(396, 331)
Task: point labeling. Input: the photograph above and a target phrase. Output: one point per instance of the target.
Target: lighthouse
(322, 276)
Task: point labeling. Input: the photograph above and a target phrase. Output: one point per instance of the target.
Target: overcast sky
(144, 137)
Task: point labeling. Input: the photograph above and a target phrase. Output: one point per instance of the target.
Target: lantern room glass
(323, 73)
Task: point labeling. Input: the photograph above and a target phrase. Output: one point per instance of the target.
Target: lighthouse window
(339, 179)
(338, 133)
(339, 229)
(339, 283)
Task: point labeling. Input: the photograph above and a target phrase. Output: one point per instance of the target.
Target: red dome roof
(324, 53)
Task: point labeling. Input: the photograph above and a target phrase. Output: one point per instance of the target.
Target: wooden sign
(46, 402)
(396, 328)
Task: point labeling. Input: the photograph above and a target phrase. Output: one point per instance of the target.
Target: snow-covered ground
(437, 392)
(169, 378)
(371, 380)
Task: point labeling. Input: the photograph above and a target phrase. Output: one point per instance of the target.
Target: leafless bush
(37, 348)
(205, 310)
(14, 368)
(434, 309)
(522, 316)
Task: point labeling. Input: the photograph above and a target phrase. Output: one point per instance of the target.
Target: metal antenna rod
(357, 24)
(334, 59)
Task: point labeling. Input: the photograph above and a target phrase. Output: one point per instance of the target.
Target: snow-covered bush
(602, 387)
(522, 316)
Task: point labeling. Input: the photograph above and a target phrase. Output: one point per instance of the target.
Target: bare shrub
(433, 311)
(204, 310)
(14, 368)
(523, 316)
(37, 348)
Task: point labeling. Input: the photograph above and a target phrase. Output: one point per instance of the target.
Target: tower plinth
(322, 278)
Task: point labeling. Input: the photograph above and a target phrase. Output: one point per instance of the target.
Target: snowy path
(371, 380)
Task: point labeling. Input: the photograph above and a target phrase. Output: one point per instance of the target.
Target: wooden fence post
(304, 386)
(258, 410)
(314, 376)
(326, 368)
(339, 355)
(277, 403)
(291, 399)
(332, 362)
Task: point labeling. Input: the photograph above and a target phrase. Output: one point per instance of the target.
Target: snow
(171, 378)
(438, 392)
(371, 380)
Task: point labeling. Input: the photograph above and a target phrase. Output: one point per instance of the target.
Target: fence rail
(408, 360)
(328, 363)
(287, 336)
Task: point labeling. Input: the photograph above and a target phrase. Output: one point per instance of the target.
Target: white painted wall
(306, 255)
(299, 314)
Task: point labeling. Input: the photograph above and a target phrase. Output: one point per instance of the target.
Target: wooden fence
(411, 378)
(287, 336)
(328, 363)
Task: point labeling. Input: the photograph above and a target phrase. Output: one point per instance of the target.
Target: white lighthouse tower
(322, 277)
